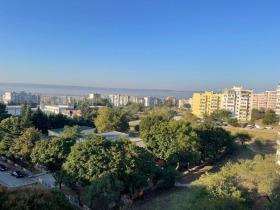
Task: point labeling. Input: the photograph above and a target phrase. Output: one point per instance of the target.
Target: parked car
(243, 125)
(250, 126)
(3, 168)
(268, 128)
(17, 174)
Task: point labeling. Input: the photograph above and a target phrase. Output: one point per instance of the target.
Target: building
(19, 98)
(278, 99)
(89, 132)
(94, 96)
(171, 100)
(238, 102)
(149, 101)
(55, 109)
(182, 102)
(206, 103)
(265, 100)
(136, 99)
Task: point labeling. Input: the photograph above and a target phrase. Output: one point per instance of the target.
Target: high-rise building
(18, 98)
(205, 103)
(265, 100)
(238, 102)
(278, 99)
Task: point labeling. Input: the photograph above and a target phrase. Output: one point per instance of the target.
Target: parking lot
(9, 181)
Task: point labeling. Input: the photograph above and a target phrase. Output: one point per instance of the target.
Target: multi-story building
(119, 100)
(278, 99)
(238, 102)
(205, 103)
(149, 101)
(94, 96)
(18, 98)
(136, 99)
(182, 102)
(265, 100)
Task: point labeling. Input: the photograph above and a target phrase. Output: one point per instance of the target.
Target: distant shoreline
(48, 89)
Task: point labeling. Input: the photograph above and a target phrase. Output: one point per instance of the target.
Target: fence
(70, 198)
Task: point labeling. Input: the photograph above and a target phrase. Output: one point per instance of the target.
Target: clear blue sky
(162, 44)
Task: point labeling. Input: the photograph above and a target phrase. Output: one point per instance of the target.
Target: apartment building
(278, 99)
(238, 102)
(182, 102)
(18, 98)
(94, 96)
(205, 103)
(118, 100)
(55, 109)
(265, 100)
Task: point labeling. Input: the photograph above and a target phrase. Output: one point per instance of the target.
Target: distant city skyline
(171, 45)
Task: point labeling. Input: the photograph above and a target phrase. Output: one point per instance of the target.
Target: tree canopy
(111, 119)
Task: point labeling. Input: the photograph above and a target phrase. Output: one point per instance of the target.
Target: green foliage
(22, 146)
(135, 108)
(52, 153)
(40, 121)
(187, 106)
(173, 141)
(148, 122)
(237, 185)
(32, 198)
(110, 120)
(214, 141)
(170, 175)
(233, 122)
(270, 117)
(58, 121)
(3, 112)
(96, 157)
(10, 128)
(257, 114)
(26, 117)
(242, 137)
(103, 191)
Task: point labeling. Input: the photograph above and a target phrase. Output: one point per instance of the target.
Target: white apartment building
(18, 98)
(182, 102)
(119, 100)
(278, 99)
(136, 99)
(94, 96)
(238, 102)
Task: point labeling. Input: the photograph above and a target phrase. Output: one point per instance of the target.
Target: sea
(68, 90)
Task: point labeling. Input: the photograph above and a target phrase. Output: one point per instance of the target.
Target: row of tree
(178, 143)
(237, 186)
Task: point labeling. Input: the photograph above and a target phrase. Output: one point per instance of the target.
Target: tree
(257, 114)
(187, 106)
(58, 121)
(173, 141)
(109, 120)
(24, 144)
(3, 112)
(103, 191)
(10, 128)
(40, 121)
(233, 122)
(236, 186)
(52, 153)
(242, 137)
(214, 141)
(147, 122)
(33, 198)
(270, 117)
(96, 157)
(26, 117)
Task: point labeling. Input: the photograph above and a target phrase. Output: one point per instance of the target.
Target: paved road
(9, 181)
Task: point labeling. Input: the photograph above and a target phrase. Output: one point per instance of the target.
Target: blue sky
(160, 44)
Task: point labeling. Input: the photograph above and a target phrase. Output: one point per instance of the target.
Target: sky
(149, 44)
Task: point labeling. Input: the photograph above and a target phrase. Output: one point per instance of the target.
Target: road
(9, 181)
